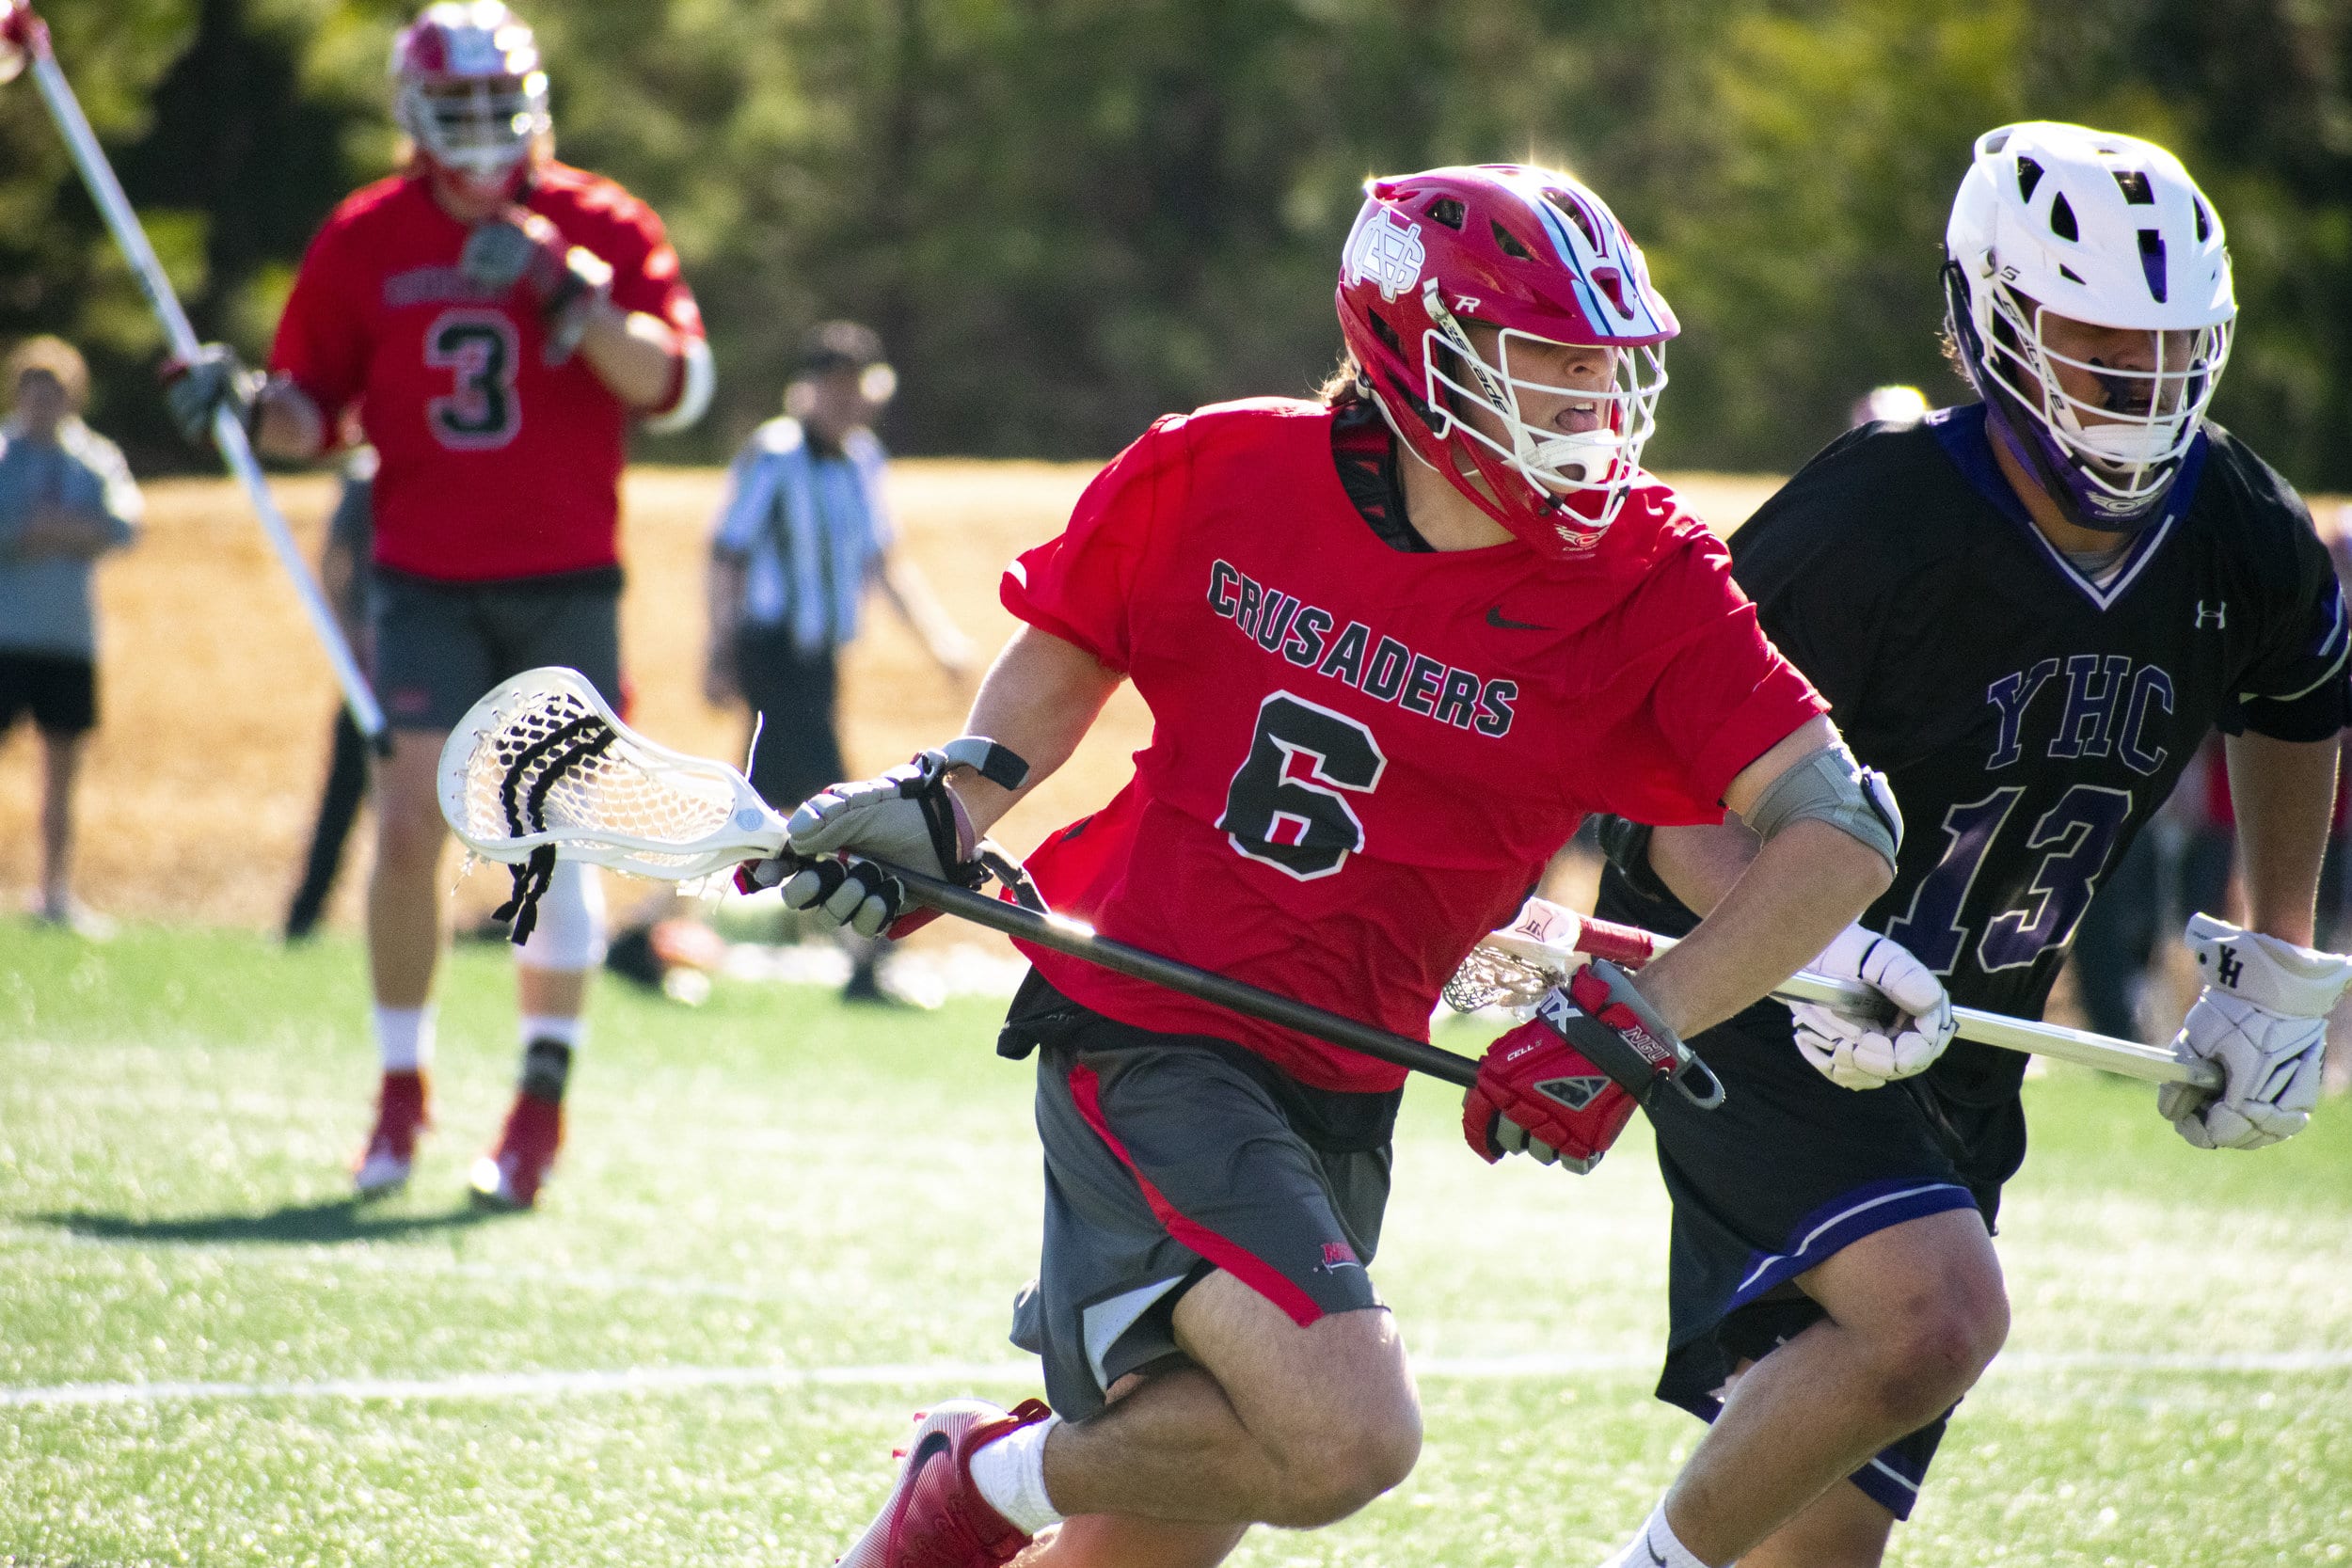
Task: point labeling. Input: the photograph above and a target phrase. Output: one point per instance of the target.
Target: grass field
(783, 1226)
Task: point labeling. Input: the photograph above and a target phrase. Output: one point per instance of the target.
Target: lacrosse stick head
(1513, 968)
(542, 761)
(22, 35)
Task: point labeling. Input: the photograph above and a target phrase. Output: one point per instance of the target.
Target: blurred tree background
(1066, 216)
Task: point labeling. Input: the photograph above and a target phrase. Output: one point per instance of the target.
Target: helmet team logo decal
(1386, 252)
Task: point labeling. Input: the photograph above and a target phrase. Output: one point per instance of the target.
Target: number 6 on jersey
(1295, 818)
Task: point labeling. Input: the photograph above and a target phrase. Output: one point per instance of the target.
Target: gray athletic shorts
(1169, 1157)
(440, 645)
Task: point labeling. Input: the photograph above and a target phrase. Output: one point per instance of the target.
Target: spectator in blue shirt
(65, 499)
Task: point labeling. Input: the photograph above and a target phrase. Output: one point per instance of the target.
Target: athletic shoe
(935, 1517)
(71, 915)
(509, 1175)
(400, 1114)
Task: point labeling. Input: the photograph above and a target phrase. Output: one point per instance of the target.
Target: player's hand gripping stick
(1540, 947)
(1562, 1086)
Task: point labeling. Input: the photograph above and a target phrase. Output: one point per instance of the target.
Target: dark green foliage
(1069, 215)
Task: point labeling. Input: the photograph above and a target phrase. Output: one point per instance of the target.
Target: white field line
(936, 1375)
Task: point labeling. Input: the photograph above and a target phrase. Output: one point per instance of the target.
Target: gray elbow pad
(1831, 786)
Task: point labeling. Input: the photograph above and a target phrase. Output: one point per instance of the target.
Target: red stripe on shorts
(1231, 1255)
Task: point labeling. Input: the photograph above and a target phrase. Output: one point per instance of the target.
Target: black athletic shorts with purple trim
(1791, 1169)
(1169, 1157)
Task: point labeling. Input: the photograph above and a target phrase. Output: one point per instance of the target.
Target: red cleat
(400, 1114)
(935, 1517)
(509, 1175)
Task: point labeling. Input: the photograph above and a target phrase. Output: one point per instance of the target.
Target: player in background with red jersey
(1395, 644)
(499, 318)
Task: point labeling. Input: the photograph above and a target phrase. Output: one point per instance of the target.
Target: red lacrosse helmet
(467, 88)
(1536, 255)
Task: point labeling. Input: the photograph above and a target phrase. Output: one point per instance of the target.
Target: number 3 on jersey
(480, 412)
(1288, 806)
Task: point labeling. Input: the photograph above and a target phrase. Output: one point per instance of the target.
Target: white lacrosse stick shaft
(27, 32)
(1548, 935)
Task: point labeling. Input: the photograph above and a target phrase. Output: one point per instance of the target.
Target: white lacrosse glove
(2262, 1016)
(907, 818)
(1859, 1051)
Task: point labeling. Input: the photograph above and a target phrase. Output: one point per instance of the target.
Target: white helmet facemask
(481, 127)
(2143, 421)
(1605, 460)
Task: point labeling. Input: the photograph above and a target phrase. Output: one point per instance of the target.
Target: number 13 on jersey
(1287, 803)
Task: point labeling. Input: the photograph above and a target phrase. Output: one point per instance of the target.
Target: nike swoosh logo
(937, 1446)
(1653, 1552)
(1496, 618)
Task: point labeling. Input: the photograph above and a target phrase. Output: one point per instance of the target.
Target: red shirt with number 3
(1362, 756)
(494, 463)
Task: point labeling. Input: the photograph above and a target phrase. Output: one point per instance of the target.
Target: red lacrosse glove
(519, 246)
(1562, 1086)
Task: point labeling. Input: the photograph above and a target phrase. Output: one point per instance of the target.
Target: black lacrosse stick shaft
(1239, 996)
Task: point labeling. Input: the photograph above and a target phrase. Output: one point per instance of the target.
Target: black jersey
(2029, 720)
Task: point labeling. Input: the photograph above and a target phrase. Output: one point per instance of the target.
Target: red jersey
(1362, 756)
(494, 463)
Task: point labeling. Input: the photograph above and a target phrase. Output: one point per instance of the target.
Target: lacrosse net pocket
(541, 765)
(1492, 977)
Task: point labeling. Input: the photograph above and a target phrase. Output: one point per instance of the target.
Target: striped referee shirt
(810, 528)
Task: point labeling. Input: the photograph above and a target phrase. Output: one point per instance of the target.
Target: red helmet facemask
(1538, 260)
(468, 90)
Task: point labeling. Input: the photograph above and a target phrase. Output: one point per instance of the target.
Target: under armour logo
(2220, 613)
(2227, 967)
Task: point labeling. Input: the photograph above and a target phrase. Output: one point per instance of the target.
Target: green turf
(772, 1182)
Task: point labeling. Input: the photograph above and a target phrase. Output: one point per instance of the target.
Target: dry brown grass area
(201, 781)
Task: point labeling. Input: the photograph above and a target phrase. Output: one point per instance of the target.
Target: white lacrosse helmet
(2110, 231)
(467, 88)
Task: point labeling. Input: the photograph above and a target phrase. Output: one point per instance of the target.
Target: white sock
(547, 1026)
(403, 1038)
(1656, 1546)
(1011, 1475)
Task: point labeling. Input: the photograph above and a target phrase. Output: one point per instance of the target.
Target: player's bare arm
(1804, 885)
(634, 353)
(1039, 698)
(2284, 791)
